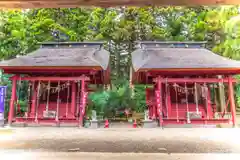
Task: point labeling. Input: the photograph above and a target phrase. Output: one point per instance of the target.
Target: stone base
(94, 124)
(1, 123)
(150, 124)
(225, 126)
(19, 124)
(68, 125)
(1, 119)
(189, 126)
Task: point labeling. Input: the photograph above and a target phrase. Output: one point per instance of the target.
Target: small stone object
(49, 114)
(94, 120)
(146, 115)
(162, 150)
(74, 150)
(1, 119)
(94, 115)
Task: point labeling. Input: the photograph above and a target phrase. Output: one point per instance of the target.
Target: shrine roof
(179, 55)
(63, 54)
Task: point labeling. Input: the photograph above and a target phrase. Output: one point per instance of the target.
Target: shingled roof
(63, 54)
(178, 55)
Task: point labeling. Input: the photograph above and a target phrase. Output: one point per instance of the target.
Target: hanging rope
(206, 97)
(32, 94)
(38, 98)
(78, 98)
(182, 89)
(58, 101)
(68, 93)
(226, 105)
(186, 93)
(29, 100)
(18, 107)
(48, 89)
(175, 88)
(196, 97)
(166, 94)
(215, 99)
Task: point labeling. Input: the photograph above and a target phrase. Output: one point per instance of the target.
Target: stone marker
(148, 123)
(94, 121)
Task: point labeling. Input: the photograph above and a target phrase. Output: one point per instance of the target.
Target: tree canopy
(120, 28)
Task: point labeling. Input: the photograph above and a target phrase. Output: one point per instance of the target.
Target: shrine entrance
(53, 101)
(191, 85)
(183, 101)
(56, 77)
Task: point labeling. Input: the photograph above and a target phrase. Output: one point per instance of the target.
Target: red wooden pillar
(34, 98)
(159, 101)
(169, 103)
(232, 101)
(73, 104)
(154, 107)
(154, 111)
(12, 101)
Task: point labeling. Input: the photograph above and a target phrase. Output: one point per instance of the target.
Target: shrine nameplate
(49, 114)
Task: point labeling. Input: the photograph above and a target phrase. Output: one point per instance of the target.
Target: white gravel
(179, 140)
(110, 156)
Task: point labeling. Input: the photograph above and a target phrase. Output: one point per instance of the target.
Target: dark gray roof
(178, 55)
(63, 54)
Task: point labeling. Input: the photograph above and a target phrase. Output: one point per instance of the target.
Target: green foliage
(99, 100)
(111, 101)
(237, 91)
(6, 82)
(140, 98)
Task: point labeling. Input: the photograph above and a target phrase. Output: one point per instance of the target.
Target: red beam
(55, 78)
(193, 80)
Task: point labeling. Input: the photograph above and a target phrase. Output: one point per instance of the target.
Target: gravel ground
(110, 156)
(181, 140)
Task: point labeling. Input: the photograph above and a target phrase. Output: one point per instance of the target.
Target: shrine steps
(23, 122)
(202, 121)
(182, 110)
(64, 109)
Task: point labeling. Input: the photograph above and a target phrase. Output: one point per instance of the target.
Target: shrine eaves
(107, 3)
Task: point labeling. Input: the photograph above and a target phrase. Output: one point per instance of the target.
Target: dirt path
(205, 140)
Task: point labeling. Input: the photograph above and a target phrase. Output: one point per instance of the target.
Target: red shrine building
(57, 75)
(187, 80)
